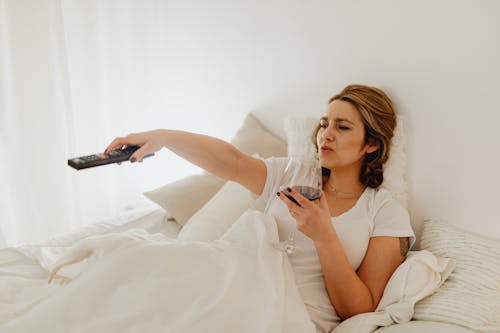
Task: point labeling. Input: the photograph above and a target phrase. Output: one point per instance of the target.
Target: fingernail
(289, 189)
(132, 159)
(278, 194)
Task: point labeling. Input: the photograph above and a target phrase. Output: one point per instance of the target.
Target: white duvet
(140, 282)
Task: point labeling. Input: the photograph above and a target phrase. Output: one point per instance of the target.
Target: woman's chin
(327, 159)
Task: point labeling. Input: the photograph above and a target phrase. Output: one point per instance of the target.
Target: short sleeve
(391, 219)
(275, 170)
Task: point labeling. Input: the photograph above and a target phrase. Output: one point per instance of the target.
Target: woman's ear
(372, 146)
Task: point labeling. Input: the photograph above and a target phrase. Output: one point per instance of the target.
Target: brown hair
(379, 120)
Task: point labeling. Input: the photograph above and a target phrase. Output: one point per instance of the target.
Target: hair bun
(372, 174)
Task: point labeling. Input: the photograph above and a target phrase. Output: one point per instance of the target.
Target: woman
(353, 238)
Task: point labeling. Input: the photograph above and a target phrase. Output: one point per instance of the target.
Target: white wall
(202, 65)
(437, 59)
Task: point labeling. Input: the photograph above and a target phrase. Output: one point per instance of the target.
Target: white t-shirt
(376, 213)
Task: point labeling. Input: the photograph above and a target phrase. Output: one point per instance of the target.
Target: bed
(445, 285)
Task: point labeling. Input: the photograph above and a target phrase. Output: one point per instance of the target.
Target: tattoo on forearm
(403, 246)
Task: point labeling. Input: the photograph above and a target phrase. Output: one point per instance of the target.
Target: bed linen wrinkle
(239, 283)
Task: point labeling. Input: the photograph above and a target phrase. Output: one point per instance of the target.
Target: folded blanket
(134, 282)
(419, 276)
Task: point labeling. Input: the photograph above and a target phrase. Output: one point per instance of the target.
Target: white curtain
(74, 75)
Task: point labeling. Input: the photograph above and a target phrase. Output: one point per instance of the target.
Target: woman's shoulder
(382, 198)
(273, 160)
(286, 166)
(275, 165)
(389, 216)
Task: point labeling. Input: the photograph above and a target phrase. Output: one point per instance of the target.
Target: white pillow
(253, 138)
(299, 132)
(471, 296)
(420, 275)
(218, 214)
(181, 199)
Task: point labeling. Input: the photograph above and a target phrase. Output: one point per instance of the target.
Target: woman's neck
(344, 181)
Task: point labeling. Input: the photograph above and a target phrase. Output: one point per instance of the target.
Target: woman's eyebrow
(343, 119)
(337, 120)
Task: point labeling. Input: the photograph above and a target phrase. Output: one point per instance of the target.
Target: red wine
(309, 192)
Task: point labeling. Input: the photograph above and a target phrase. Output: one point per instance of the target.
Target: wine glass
(304, 176)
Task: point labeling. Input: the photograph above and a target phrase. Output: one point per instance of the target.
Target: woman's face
(341, 137)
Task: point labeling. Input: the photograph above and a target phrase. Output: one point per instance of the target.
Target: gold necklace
(348, 195)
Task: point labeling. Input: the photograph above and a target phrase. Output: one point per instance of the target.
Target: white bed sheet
(24, 269)
(131, 289)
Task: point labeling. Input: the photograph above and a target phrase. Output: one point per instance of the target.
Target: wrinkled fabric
(139, 282)
(419, 276)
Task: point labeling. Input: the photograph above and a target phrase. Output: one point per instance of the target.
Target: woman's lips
(326, 149)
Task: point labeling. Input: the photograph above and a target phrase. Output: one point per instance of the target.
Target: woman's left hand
(313, 217)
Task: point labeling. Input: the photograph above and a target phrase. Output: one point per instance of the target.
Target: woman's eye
(343, 128)
(323, 124)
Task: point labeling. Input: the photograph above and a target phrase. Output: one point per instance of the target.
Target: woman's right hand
(216, 156)
(150, 142)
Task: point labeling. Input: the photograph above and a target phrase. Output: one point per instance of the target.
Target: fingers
(322, 201)
(132, 139)
(139, 154)
(295, 208)
(121, 142)
(292, 207)
(289, 203)
(299, 198)
(117, 143)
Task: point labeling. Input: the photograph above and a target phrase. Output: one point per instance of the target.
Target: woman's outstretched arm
(211, 154)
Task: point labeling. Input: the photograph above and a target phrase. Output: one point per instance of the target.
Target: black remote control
(115, 156)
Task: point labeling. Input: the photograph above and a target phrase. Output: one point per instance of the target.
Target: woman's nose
(327, 134)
